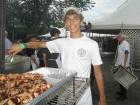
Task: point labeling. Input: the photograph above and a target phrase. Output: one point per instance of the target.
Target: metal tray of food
(31, 88)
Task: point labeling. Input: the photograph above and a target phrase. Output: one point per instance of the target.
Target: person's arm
(100, 83)
(16, 48)
(36, 44)
(125, 57)
(34, 60)
(45, 57)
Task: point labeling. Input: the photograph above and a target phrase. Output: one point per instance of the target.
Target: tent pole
(2, 36)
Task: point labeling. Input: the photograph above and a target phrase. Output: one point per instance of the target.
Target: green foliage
(37, 16)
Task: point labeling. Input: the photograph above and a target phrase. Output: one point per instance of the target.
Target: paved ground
(111, 86)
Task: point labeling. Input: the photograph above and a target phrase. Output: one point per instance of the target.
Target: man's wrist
(102, 102)
(124, 65)
(23, 45)
(102, 99)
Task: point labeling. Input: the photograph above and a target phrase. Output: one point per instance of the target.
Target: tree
(36, 16)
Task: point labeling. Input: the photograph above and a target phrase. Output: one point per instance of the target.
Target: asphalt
(111, 86)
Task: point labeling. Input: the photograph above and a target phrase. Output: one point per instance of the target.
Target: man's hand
(15, 49)
(102, 102)
(125, 67)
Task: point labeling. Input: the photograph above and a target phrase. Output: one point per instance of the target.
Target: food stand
(67, 89)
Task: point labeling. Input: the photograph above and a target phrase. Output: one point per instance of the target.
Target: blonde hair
(73, 11)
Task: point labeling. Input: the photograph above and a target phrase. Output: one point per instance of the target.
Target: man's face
(120, 38)
(73, 23)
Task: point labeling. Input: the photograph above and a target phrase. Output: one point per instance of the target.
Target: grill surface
(66, 91)
(70, 93)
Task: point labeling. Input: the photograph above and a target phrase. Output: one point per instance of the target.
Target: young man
(78, 52)
(123, 59)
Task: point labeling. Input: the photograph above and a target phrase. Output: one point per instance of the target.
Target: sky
(101, 9)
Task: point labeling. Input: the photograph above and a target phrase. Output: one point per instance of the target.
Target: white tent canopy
(127, 16)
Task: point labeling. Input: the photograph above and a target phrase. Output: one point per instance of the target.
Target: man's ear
(65, 26)
(81, 24)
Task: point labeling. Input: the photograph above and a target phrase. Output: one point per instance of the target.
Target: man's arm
(125, 57)
(34, 60)
(36, 44)
(45, 57)
(16, 48)
(100, 83)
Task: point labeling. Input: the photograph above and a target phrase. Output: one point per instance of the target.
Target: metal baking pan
(20, 64)
(58, 77)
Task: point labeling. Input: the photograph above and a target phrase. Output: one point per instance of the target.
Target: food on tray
(18, 89)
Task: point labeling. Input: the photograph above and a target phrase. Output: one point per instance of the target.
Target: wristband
(23, 45)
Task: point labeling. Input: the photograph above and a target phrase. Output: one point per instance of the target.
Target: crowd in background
(39, 57)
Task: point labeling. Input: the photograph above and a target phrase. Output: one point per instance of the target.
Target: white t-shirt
(58, 61)
(77, 54)
(121, 54)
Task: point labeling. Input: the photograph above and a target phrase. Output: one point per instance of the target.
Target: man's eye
(75, 19)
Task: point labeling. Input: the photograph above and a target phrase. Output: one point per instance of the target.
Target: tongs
(9, 58)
